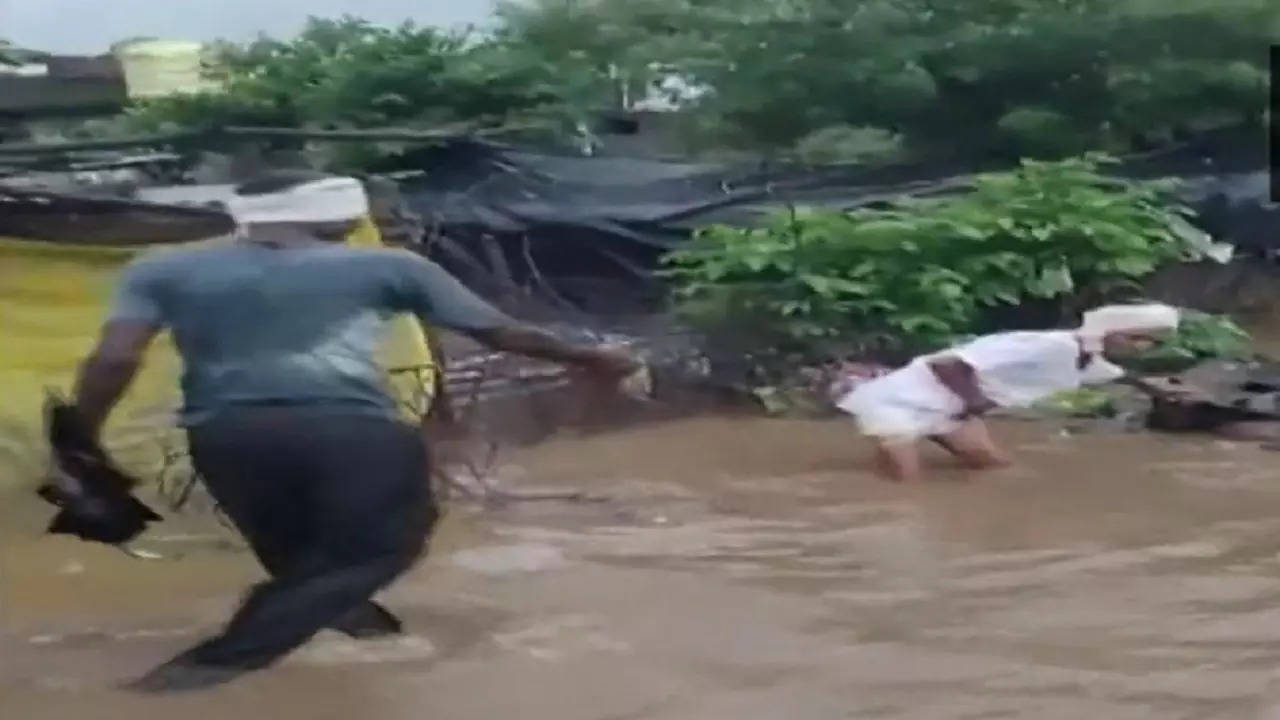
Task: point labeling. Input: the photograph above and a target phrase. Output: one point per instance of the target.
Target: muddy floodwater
(737, 569)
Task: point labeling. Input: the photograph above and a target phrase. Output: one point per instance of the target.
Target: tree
(1011, 78)
(349, 73)
(1016, 77)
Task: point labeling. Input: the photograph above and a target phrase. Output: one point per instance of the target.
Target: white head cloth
(1125, 318)
(336, 199)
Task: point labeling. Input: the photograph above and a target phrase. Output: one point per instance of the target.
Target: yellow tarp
(405, 346)
(52, 301)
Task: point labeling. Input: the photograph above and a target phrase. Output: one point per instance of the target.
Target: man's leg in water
(357, 482)
(898, 459)
(257, 497)
(971, 443)
(281, 543)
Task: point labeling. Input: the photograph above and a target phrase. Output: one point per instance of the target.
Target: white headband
(335, 199)
(1126, 318)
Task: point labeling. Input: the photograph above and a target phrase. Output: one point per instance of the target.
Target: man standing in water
(289, 420)
(943, 396)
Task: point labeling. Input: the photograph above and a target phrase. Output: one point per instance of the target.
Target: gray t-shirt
(258, 325)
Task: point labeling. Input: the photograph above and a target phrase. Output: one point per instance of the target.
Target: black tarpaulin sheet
(612, 217)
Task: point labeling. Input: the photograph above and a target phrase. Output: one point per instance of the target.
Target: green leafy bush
(845, 144)
(981, 76)
(916, 275)
(1200, 336)
(1039, 132)
(984, 77)
(349, 73)
(1083, 402)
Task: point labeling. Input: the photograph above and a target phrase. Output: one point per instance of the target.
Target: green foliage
(1039, 132)
(920, 273)
(1200, 336)
(844, 144)
(1083, 402)
(986, 75)
(349, 73)
(1205, 336)
(1039, 78)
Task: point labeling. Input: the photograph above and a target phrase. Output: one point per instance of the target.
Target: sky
(90, 26)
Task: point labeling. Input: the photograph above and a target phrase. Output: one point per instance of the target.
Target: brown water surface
(741, 568)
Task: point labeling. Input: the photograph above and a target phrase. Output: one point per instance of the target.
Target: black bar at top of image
(1274, 123)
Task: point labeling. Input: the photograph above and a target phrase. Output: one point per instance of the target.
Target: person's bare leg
(971, 443)
(898, 459)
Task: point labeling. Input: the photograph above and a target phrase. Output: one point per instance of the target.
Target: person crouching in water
(942, 397)
(291, 425)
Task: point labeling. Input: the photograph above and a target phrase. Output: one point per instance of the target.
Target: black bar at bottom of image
(1274, 122)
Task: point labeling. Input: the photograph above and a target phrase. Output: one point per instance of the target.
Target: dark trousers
(334, 505)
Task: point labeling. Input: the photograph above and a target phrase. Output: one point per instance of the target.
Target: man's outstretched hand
(612, 363)
(604, 365)
(618, 370)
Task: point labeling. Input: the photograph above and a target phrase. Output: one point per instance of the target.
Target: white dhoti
(1013, 369)
(906, 404)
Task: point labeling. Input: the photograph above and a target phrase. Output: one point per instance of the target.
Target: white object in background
(28, 70)
(156, 68)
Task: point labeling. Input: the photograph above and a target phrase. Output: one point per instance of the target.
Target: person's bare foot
(998, 461)
(992, 463)
(984, 461)
(900, 477)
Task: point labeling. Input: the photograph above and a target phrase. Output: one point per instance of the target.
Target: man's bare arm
(439, 299)
(106, 373)
(960, 378)
(537, 343)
